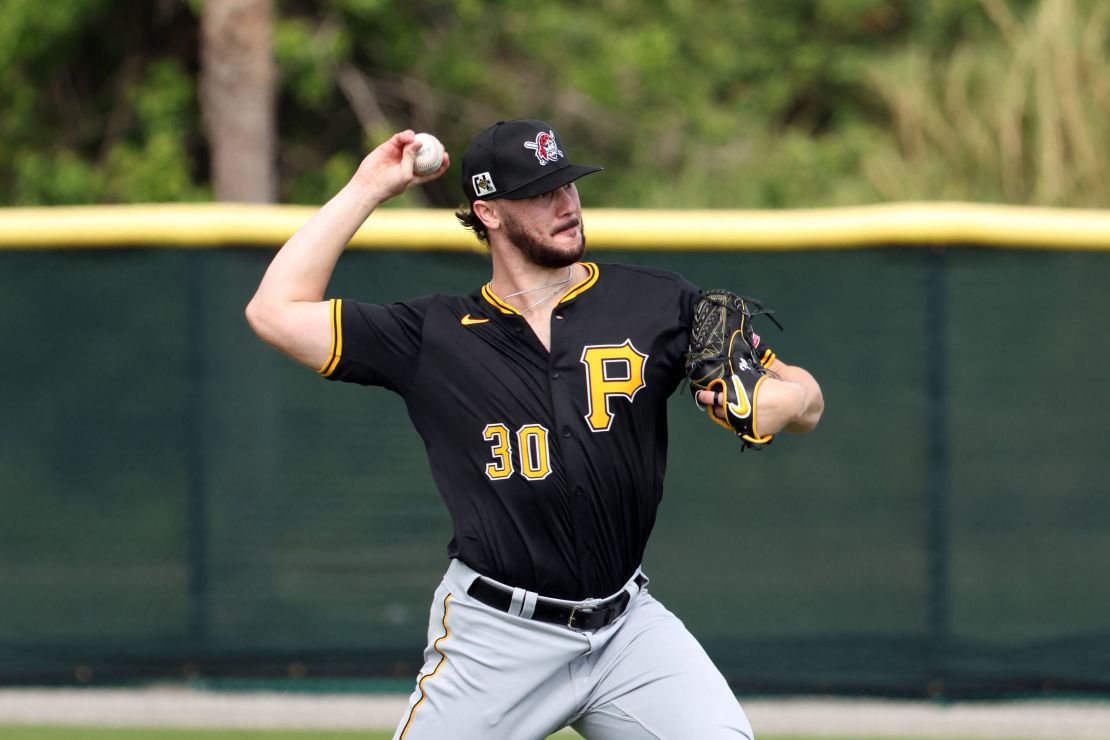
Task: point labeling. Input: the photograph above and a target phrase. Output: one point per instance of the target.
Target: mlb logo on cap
(483, 184)
(517, 159)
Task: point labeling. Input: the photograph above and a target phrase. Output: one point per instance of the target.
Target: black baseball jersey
(551, 463)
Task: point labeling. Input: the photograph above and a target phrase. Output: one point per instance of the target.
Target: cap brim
(549, 182)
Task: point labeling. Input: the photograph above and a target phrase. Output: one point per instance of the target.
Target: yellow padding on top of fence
(235, 224)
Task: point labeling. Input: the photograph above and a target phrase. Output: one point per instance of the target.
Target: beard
(540, 252)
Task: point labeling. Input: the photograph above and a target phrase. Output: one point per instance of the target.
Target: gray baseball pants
(491, 675)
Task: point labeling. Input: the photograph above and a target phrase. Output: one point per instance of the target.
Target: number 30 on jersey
(612, 371)
(531, 440)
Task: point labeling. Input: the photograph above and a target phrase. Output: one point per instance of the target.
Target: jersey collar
(577, 290)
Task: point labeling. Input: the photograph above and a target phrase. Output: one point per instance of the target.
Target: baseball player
(541, 399)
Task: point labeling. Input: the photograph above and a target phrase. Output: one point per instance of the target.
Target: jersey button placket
(554, 375)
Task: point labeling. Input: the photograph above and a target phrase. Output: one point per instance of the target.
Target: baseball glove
(725, 357)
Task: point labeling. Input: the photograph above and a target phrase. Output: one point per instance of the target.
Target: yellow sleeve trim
(768, 357)
(336, 338)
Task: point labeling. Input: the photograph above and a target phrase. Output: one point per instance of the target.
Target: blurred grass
(111, 733)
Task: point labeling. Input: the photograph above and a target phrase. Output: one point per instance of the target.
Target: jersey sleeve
(688, 295)
(375, 344)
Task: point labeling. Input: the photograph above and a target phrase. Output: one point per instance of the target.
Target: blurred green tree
(1021, 117)
(237, 91)
(736, 103)
(98, 103)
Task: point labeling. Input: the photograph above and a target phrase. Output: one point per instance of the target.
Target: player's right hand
(387, 171)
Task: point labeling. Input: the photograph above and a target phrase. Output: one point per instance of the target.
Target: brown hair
(470, 220)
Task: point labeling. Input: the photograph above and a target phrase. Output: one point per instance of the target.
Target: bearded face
(550, 250)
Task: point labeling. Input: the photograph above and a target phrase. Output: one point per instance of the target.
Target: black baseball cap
(517, 159)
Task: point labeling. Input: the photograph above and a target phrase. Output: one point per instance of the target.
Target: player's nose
(565, 200)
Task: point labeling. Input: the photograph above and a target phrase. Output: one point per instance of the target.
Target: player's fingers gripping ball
(429, 157)
(725, 358)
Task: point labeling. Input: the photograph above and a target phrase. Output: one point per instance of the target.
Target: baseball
(430, 156)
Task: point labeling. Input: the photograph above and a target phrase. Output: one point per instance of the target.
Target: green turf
(8, 732)
(106, 733)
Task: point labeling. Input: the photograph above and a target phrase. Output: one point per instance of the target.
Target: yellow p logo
(611, 370)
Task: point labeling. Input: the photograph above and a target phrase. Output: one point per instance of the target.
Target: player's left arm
(788, 399)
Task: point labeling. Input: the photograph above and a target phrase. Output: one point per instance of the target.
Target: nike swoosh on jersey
(468, 321)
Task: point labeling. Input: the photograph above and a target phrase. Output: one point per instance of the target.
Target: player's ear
(487, 213)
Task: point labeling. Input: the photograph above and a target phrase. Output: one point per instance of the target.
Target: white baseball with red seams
(430, 156)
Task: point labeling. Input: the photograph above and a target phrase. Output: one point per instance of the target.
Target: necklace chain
(546, 297)
(560, 283)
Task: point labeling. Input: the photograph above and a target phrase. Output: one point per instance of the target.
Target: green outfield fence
(178, 500)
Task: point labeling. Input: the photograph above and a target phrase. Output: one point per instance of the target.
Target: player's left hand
(780, 404)
(725, 371)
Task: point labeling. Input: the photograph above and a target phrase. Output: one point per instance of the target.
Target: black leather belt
(592, 617)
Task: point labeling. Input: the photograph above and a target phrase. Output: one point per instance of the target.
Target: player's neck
(532, 289)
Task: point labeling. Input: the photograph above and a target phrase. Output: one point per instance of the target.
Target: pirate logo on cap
(545, 147)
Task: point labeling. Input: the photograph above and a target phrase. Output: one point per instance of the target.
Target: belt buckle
(570, 619)
(588, 609)
(576, 610)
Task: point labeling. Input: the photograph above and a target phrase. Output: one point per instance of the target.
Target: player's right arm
(288, 311)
